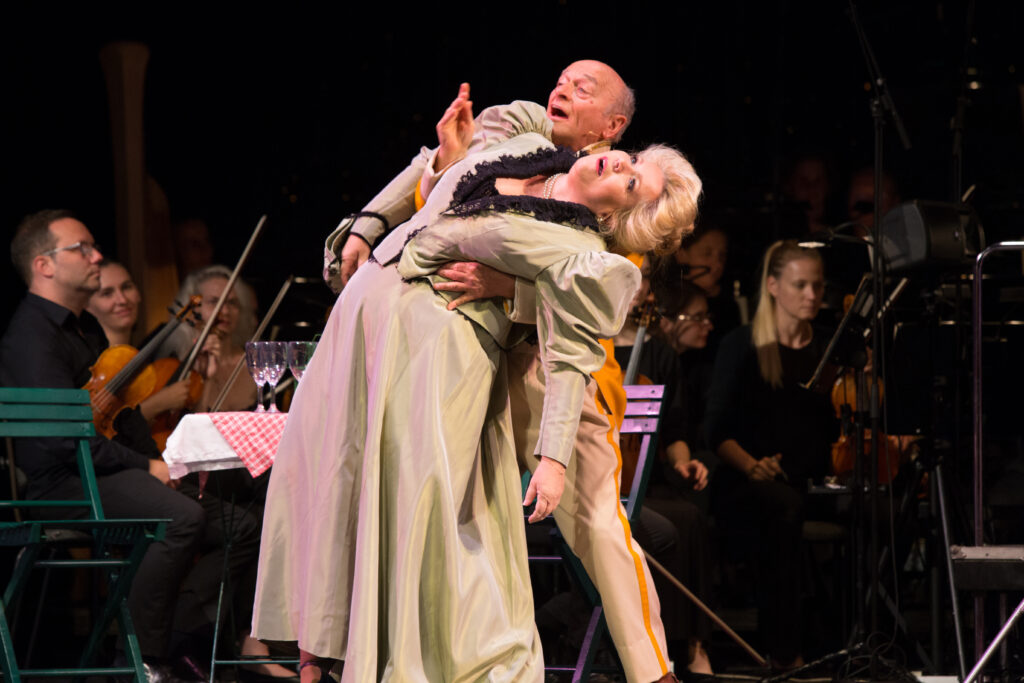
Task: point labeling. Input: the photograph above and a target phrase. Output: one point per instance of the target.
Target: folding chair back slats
(47, 412)
(45, 429)
(67, 414)
(643, 413)
(36, 395)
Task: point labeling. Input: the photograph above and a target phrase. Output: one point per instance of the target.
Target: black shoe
(687, 676)
(250, 676)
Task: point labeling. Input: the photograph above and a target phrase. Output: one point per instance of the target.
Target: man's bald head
(590, 103)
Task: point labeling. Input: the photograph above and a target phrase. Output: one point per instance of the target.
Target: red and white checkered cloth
(253, 436)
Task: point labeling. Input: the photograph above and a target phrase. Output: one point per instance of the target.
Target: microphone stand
(881, 105)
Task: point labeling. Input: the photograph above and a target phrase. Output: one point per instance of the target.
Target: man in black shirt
(52, 342)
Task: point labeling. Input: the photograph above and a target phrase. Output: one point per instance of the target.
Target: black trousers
(688, 559)
(766, 517)
(177, 583)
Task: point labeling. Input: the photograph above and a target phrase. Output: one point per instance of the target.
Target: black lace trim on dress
(476, 191)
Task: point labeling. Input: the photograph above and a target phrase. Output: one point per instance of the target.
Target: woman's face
(227, 319)
(116, 303)
(707, 255)
(689, 330)
(798, 290)
(613, 180)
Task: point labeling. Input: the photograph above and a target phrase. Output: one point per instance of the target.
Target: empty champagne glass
(299, 353)
(255, 365)
(273, 359)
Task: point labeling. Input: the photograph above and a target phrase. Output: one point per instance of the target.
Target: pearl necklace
(549, 185)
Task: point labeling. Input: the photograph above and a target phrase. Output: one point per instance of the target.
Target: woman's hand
(695, 472)
(158, 468)
(455, 130)
(678, 454)
(171, 397)
(767, 469)
(545, 487)
(475, 281)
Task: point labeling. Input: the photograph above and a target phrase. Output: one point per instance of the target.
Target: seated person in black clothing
(686, 321)
(675, 477)
(51, 342)
(685, 324)
(703, 255)
(772, 435)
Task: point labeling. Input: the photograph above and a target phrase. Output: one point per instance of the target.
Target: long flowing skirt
(393, 536)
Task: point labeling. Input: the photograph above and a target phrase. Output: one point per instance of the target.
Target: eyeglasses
(699, 318)
(86, 249)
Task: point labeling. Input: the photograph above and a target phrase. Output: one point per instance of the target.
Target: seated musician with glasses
(677, 479)
(52, 341)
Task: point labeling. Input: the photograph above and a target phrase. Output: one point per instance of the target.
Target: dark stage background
(305, 115)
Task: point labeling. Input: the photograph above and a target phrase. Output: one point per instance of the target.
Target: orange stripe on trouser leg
(609, 385)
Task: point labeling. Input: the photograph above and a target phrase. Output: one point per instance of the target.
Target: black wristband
(372, 214)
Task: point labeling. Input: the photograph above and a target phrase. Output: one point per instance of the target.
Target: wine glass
(255, 365)
(274, 362)
(299, 353)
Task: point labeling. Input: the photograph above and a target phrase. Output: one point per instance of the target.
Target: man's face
(579, 107)
(72, 271)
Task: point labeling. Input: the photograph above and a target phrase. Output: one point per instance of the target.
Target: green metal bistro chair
(117, 544)
(643, 412)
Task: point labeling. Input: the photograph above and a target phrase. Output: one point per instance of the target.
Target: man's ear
(42, 266)
(614, 127)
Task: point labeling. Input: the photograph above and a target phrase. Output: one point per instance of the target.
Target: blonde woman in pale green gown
(393, 536)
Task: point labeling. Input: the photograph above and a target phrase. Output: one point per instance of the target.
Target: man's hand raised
(455, 130)
(353, 255)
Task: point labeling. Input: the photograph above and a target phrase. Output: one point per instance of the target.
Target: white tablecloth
(195, 445)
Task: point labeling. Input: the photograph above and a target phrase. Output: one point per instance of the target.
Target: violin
(844, 451)
(122, 377)
(172, 370)
(846, 398)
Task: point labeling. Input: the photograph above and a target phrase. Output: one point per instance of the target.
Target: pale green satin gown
(393, 535)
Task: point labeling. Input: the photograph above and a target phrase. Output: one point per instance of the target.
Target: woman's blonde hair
(658, 225)
(763, 330)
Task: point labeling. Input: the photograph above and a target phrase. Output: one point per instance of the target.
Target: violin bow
(208, 326)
